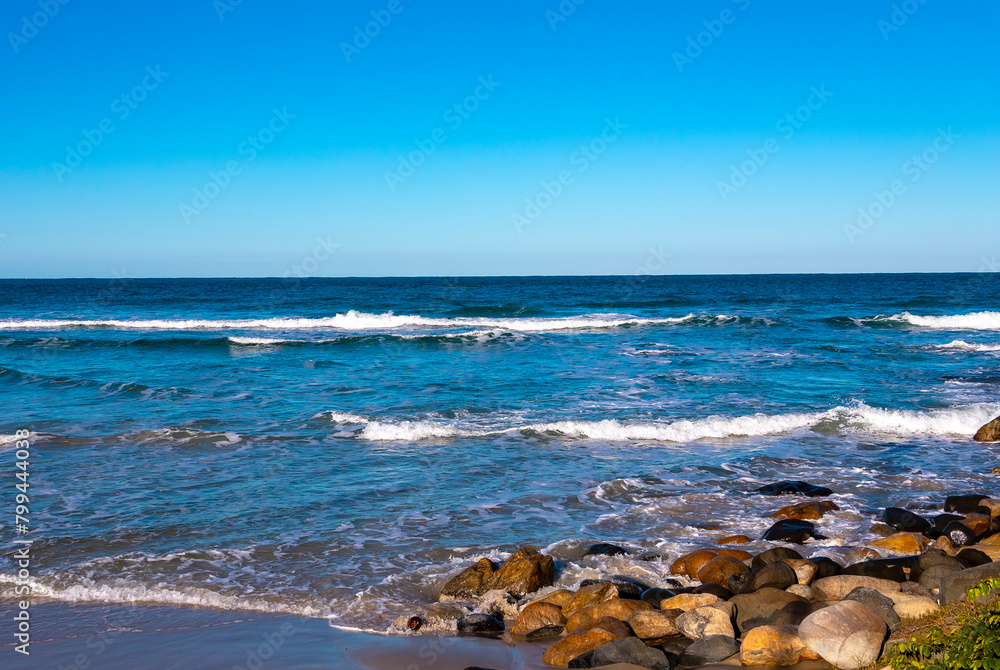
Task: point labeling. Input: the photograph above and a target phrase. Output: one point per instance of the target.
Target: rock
(794, 488)
(571, 646)
(846, 634)
(795, 613)
(881, 530)
(878, 603)
(470, 582)
(560, 598)
(773, 575)
(720, 569)
(989, 432)
(738, 554)
(910, 589)
(954, 586)
(970, 557)
(733, 539)
(805, 571)
(604, 549)
(479, 624)
(625, 650)
(978, 524)
(790, 530)
(805, 510)
(916, 608)
(689, 601)
(801, 590)
(773, 646)
(610, 624)
(992, 505)
(773, 556)
(902, 543)
(618, 608)
(882, 568)
(591, 595)
(904, 520)
(711, 649)
(827, 567)
(942, 520)
(526, 571)
(959, 534)
(655, 596)
(649, 625)
(952, 503)
(715, 589)
(932, 557)
(760, 607)
(837, 587)
(704, 621)
(546, 633)
(943, 544)
(538, 615)
(932, 577)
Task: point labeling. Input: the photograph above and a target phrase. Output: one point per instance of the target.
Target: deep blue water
(339, 446)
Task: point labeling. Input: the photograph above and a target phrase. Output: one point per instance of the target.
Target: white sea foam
(414, 430)
(257, 340)
(972, 321)
(961, 345)
(681, 431)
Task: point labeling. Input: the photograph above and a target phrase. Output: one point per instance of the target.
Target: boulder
(689, 601)
(881, 530)
(571, 646)
(881, 568)
(650, 625)
(990, 432)
(560, 598)
(625, 650)
(655, 596)
(905, 521)
(470, 582)
(604, 549)
(932, 577)
(902, 543)
(970, 557)
(610, 624)
(773, 555)
(847, 634)
(794, 488)
(617, 608)
(805, 571)
(538, 615)
(801, 590)
(790, 530)
(711, 649)
(733, 539)
(705, 621)
(480, 624)
(959, 534)
(760, 607)
(690, 564)
(827, 567)
(838, 586)
(805, 510)
(795, 613)
(720, 569)
(526, 571)
(738, 554)
(878, 603)
(942, 520)
(954, 503)
(769, 646)
(591, 595)
(714, 589)
(773, 575)
(546, 633)
(915, 608)
(954, 586)
(978, 524)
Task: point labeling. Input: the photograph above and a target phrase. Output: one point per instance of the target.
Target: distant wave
(972, 321)
(852, 419)
(961, 345)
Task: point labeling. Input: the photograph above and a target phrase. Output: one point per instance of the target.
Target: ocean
(336, 448)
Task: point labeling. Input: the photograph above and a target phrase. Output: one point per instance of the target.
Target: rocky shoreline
(772, 608)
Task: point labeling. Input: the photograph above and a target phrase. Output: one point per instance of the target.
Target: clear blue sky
(337, 118)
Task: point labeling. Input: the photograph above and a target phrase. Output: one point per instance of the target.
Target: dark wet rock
(479, 624)
(955, 585)
(881, 568)
(414, 623)
(972, 557)
(626, 650)
(878, 603)
(959, 534)
(794, 612)
(710, 649)
(990, 432)
(933, 557)
(932, 577)
(881, 530)
(953, 503)
(655, 596)
(627, 587)
(794, 488)
(605, 549)
(715, 590)
(790, 530)
(942, 520)
(827, 567)
(772, 575)
(652, 556)
(737, 582)
(904, 521)
(545, 633)
(774, 555)
(915, 589)
(760, 607)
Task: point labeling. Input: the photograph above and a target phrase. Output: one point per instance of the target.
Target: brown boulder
(733, 539)
(988, 433)
(653, 625)
(720, 569)
(773, 646)
(618, 608)
(688, 601)
(471, 581)
(738, 554)
(612, 625)
(837, 587)
(591, 595)
(805, 570)
(697, 560)
(571, 646)
(978, 524)
(806, 510)
(538, 615)
(559, 598)
(903, 543)
(526, 571)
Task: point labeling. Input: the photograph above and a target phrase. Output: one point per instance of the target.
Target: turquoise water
(337, 447)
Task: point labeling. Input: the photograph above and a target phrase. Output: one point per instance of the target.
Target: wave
(972, 321)
(855, 418)
(961, 345)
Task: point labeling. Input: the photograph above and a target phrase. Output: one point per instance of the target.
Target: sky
(409, 137)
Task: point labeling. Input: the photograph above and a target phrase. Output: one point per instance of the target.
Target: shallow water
(337, 447)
